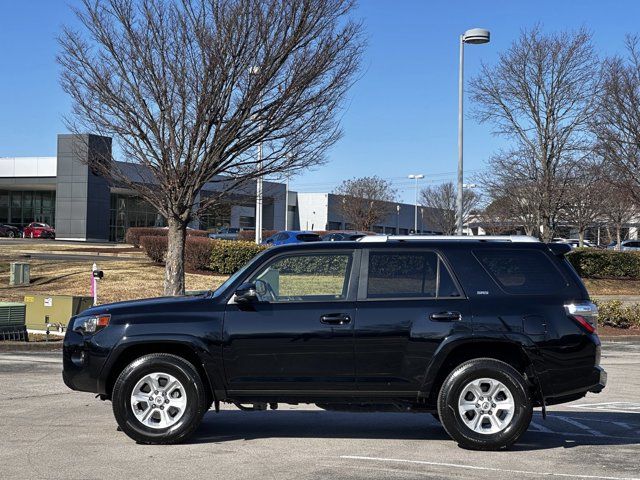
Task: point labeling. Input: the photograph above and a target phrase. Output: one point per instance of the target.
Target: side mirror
(246, 293)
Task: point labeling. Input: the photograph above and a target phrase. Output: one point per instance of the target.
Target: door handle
(446, 316)
(335, 319)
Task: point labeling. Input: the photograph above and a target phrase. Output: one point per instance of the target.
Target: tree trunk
(174, 262)
(618, 237)
(581, 238)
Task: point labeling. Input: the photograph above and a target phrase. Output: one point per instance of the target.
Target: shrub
(591, 263)
(227, 256)
(133, 234)
(197, 254)
(154, 246)
(615, 314)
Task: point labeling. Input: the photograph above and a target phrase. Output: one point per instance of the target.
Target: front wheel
(484, 404)
(159, 399)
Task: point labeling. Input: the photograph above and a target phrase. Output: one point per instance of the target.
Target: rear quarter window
(522, 272)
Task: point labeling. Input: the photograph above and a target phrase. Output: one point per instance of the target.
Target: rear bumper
(602, 380)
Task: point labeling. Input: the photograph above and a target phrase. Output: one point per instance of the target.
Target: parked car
(479, 331)
(291, 236)
(38, 230)
(625, 246)
(226, 233)
(344, 235)
(9, 231)
(575, 243)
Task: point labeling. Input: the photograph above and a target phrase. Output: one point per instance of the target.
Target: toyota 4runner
(477, 331)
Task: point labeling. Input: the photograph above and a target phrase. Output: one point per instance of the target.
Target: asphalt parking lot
(48, 431)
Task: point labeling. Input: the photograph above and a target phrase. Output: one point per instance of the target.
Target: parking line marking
(580, 425)
(540, 428)
(487, 469)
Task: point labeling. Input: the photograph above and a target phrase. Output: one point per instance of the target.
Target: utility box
(19, 274)
(12, 321)
(43, 310)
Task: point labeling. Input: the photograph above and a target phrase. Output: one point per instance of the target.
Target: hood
(146, 305)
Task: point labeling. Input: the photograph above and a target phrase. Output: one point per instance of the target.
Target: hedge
(227, 256)
(614, 314)
(197, 254)
(590, 263)
(133, 234)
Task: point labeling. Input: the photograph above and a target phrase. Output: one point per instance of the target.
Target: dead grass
(122, 281)
(598, 286)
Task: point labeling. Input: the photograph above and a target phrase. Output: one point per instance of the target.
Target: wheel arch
(124, 354)
(456, 351)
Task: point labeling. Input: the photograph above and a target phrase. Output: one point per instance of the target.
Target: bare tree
(190, 88)
(619, 207)
(584, 200)
(497, 217)
(512, 187)
(541, 95)
(617, 123)
(442, 212)
(365, 201)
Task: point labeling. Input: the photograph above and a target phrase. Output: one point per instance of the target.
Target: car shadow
(230, 425)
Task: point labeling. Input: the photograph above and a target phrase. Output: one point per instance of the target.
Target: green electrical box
(12, 326)
(53, 309)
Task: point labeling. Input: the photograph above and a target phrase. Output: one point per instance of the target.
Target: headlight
(91, 324)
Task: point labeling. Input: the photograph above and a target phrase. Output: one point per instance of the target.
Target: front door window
(305, 278)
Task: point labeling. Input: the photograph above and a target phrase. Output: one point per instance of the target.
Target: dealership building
(63, 192)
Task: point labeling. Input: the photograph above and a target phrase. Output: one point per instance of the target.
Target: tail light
(585, 314)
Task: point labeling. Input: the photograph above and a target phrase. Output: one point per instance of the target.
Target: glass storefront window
(20, 208)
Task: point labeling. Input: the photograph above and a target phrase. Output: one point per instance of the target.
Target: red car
(38, 230)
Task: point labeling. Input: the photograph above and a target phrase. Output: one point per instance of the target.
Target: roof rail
(476, 238)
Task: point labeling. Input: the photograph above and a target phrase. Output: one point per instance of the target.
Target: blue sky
(401, 116)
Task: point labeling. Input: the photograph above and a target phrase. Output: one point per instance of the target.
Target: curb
(30, 346)
(620, 338)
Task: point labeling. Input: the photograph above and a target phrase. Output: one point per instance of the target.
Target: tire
(11, 234)
(480, 429)
(186, 399)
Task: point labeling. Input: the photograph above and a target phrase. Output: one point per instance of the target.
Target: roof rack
(476, 238)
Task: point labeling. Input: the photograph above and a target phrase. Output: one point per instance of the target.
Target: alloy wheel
(486, 406)
(158, 400)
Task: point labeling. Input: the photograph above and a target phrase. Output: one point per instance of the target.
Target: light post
(258, 217)
(286, 204)
(398, 220)
(416, 177)
(475, 36)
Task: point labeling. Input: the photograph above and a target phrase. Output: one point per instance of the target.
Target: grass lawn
(598, 286)
(122, 280)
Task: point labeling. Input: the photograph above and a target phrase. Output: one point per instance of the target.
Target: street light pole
(259, 198)
(254, 71)
(474, 36)
(416, 177)
(286, 204)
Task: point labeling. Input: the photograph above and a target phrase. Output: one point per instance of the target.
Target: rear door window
(524, 272)
(409, 275)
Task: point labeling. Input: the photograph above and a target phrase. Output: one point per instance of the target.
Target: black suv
(477, 331)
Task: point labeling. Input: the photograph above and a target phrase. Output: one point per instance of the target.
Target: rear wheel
(484, 405)
(159, 399)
